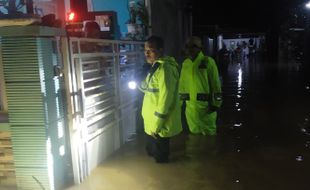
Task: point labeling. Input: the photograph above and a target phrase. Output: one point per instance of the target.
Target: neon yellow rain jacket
(200, 87)
(161, 110)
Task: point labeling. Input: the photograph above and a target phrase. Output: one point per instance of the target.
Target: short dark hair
(157, 41)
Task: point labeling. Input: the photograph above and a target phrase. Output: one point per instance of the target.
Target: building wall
(119, 6)
(231, 44)
(44, 7)
(167, 21)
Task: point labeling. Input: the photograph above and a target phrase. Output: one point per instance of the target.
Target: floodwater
(263, 141)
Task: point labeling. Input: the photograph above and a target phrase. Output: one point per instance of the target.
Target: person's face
(192, 50)
(151, 52)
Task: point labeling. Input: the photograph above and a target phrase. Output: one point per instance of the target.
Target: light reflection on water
(239, 77)
(238, 124)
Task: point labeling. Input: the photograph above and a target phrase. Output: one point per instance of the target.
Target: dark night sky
(255, 15)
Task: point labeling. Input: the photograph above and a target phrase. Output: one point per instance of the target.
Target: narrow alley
(263, 141)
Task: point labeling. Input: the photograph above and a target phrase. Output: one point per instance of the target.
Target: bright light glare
(71, 16)
(239, 77)
(62, 150)
(132, 85)
(308, 5)
(60, 129)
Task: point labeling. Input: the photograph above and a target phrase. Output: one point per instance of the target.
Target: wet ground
(263, 141)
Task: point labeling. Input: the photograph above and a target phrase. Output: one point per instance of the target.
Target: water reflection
(239, 77)
(259, 144)
(299, 158)
(237, 124)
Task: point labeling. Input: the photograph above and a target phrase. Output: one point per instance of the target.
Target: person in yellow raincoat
(160, 110)
(200, 88)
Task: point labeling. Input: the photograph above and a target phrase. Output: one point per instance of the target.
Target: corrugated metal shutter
(24, 72)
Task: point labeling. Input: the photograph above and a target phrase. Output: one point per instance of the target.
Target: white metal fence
(103, 109)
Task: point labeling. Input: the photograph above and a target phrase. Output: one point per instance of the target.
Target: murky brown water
(263, 142)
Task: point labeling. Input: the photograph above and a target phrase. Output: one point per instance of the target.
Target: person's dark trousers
(183, 118)
(158, 147)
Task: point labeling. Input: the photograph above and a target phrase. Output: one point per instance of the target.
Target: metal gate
(102, 109)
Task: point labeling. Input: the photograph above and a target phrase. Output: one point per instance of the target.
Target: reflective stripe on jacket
(160, 110)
